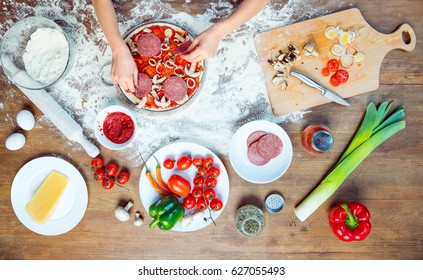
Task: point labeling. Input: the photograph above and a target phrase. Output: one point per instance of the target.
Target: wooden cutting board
(364, 76)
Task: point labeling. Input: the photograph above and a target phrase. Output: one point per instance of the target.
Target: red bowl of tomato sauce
(115, 127)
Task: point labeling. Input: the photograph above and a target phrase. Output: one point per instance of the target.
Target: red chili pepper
(350, 221)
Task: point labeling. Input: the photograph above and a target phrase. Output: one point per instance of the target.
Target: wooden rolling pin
(51, 109)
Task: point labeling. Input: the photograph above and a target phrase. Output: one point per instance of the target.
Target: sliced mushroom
(179, 37)
(294, 49)
(183, 100)
(142, 102)
(139, 103)
(284, 85)
(163, 103)
(154, 94)
(279, 66)
(132, 46)
(190, 71)
(277, 80)
(147, 30)
(309, 49)
(168, 32)
(156, 80)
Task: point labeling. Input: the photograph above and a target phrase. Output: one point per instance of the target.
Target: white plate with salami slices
(260, 151)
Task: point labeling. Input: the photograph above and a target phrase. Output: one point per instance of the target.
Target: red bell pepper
(350, 221)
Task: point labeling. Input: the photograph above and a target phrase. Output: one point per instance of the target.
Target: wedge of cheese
(41, 205)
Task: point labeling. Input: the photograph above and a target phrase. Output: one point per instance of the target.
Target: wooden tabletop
(389, 181)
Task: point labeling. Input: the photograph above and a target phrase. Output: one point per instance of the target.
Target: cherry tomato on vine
(201, 204)
(99, 174)
(334, 81)
(122, 177)
(96, 163)
(208, 162)
(216, 204)
(169, 163)
(198, 181)
(213, 172)
(201, 172)
(342, 75)
(209, 194)
(197, 161)
(189, 202)
(111, 169)
(333, 65)
(107, 183)
(197, 192)
(184, 162)
(211, 182)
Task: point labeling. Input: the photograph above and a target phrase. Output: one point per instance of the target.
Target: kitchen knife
(325, 92)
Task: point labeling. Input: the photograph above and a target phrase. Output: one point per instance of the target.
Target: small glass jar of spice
(317, 138)
(249, 220)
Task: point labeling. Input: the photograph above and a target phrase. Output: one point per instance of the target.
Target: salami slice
(175, 88)
(149, 44)
(182, 47)
(269, 146)
(254, 137)
(144, 85)
(255, 157)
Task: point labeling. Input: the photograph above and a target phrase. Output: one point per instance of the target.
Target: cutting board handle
(403, 38)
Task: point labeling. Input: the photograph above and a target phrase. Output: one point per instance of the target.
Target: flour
(46, 55)
(234, 90)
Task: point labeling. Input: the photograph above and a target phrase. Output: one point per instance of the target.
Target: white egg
(25, 120)
(15, 141)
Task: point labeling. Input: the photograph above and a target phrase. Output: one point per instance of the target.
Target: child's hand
(204, 46)
(124, 70)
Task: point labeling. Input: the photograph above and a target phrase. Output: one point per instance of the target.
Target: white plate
(175, 150)
(70, 208)
(238, 153)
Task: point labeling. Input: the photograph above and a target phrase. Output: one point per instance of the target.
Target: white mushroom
(183, 100)
(309, 49)
(189, 219)
(163, 103)
(190, 71)
(154, 94)
(138, 219)
(179, 37)
(168, 32)
(280, 66)
(284, 85)
(121, 213)
(278, 79)
(147, 30)
(141, 102)
(156, 79)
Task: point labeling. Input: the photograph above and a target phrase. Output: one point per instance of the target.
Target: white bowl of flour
(35, 53)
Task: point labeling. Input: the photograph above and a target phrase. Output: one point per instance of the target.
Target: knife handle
(307, 80)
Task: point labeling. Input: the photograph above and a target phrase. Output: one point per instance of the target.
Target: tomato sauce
(118, 127)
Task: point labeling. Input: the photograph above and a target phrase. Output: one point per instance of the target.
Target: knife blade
(325, 92)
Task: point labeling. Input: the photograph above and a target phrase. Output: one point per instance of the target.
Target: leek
(375, 129)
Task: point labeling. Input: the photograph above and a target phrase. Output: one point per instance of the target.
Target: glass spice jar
(249, 220)
(317, 138)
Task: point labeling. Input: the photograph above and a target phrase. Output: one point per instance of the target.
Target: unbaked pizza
(165, 80)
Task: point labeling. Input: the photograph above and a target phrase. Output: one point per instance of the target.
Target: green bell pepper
(166, 212)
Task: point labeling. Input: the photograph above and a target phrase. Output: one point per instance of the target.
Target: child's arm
(205, 45)
(124, 70)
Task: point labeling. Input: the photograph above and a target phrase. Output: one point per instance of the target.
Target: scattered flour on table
(46, 55)
(233, 92)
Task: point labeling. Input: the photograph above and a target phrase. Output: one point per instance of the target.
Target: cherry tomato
(184, 162)
(201, 204)
(342, 75)
(169, 163)
(325, 72)
(333, 65)
(179, 185)
(201, 172)
(99, 174)
(197, 161)
(216, 204)
(107, 183)
(111, 169)
(122, 177)
(198, 181)
(334, 81)
(197, 192)
(209, 194)
(208, 162)
(189, 202)
(211, 182)
(96, 163)
(213, 172)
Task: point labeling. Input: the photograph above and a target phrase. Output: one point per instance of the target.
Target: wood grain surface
(363, 76)
(389, 182)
